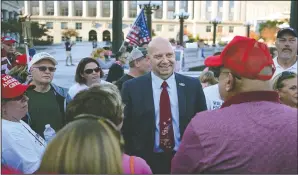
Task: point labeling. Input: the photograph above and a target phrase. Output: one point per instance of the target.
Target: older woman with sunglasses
(88, 73)
(106, 101)
(22, 148)
(285, 84)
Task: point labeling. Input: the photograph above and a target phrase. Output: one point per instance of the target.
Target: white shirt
(22, 148)
(213, 99)
(280, 69)
(76, 88)
(172, 91)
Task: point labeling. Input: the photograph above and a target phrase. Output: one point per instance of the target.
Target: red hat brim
(213, 61)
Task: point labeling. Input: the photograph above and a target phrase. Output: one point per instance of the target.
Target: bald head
(162, 57)
(156, 43)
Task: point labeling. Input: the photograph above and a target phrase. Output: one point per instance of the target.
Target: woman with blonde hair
(105, 100)
(207, 79)
(88, 145)
(20, 70)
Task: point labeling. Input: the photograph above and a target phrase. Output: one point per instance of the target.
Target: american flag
(139, 32)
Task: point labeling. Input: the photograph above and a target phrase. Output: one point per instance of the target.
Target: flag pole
(130, 30)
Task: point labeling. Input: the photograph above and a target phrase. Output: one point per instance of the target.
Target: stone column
(27, 6)
(111, 10)
(225, 12)
(165, 10)
(237, 8)
(197, 10)
(214, 9)
(98, 9)
(41, 8)
(70, 8)
(177, 6)
(189, 9)
(125, 8)
(56, 8)
(85, 8)
(243, 11)
(203, 10)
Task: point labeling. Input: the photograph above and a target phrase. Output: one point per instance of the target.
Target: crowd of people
(239, 116)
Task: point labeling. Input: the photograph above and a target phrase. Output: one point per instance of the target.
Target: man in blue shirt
(68, 46)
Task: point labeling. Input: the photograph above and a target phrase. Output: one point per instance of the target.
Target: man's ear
(231, 82)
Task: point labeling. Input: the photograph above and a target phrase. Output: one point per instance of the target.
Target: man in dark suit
(159, 106)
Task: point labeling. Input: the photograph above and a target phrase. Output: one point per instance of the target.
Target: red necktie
(166, 133)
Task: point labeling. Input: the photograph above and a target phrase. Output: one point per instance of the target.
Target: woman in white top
(22, 148)
(88, 73)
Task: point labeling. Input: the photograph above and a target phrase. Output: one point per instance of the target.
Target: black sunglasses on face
(44, 68)
(90, 71)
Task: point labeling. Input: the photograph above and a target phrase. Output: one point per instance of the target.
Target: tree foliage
(268, 30)
(38, 30)
(70, 33)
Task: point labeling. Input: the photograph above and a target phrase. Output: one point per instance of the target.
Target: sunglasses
(284, 75)
(106, 121)
(44, 68)
(90, 71)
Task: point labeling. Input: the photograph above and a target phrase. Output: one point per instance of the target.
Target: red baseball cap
(7, 39)
(12, 88)
(245, 57)
(21, 59)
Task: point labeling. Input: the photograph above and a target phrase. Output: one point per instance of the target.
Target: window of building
(49, 25)
(34, 7)
(158, 27)
(78, 9)
(64, 8)
(64, 25)
(171, 10)
(63, 38)
(184, 5)
(158, 13)
(132, 6)
(208, 10)
(208, 16)
(106, 8)
(91, 8)
(79, 39)
(231, 4)
(78, 26)
(49, 7)
(50, 38)
(208, 29)
(231, 29)
(171, 28)
(219, 29)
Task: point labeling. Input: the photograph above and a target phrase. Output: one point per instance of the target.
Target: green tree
(38, 30)
(70, 33)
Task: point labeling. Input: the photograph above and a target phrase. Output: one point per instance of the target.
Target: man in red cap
(252, 132)
(8, 54)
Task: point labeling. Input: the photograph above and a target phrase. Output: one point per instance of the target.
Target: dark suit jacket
(139, 116)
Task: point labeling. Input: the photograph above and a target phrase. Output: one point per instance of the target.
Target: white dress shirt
(280, 69)
(172, 91)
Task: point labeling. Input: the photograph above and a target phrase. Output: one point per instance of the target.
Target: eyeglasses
(44, 68)
(284, 75)
(106, 121)
(90, 71)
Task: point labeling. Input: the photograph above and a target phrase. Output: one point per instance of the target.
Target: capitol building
(93, 19)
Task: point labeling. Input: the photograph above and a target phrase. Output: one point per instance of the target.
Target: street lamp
(149, 7)
(247, 24)
(182, 15)
(215, 22)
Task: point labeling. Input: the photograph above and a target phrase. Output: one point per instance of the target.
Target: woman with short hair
(22, 148)
(88, 73)
(88, 145)
(207, 79)
(285, 84)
